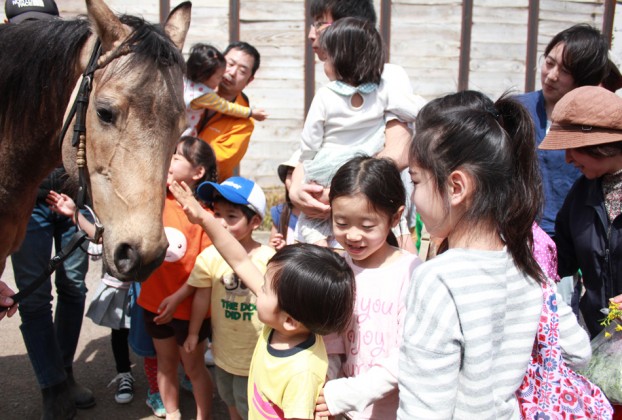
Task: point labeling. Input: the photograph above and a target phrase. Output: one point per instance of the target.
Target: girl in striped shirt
(473, 311)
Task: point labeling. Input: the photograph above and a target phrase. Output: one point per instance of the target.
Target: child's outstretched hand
(184, 196)
(259, 114)
(61, 204)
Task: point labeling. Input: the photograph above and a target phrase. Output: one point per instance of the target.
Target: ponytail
(525, 202)
(495, 143)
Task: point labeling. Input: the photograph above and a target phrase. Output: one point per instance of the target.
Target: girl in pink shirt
(367, 199)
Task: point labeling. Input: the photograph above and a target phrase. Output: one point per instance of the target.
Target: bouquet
(605, 367)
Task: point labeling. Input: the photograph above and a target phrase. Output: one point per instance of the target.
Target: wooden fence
(444, 45)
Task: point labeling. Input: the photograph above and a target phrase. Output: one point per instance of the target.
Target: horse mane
(39, 64)
(149, 43)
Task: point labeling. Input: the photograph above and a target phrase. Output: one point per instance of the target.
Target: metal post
(465, 45)
(531, 61)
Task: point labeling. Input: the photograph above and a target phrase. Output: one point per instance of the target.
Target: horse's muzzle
(130, 265)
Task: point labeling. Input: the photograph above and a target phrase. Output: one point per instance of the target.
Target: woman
(574, 57)
(587, 124)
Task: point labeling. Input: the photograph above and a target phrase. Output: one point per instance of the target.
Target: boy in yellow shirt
(308, 291)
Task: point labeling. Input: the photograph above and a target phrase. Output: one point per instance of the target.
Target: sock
(175, 415)
(151, 372)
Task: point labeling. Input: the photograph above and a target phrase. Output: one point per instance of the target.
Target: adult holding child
(394, 79)
(228, 135)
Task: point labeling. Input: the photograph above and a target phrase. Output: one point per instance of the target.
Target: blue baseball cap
(237, 190)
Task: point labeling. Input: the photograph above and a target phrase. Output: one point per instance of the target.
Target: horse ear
(177, 24)
(107, 25)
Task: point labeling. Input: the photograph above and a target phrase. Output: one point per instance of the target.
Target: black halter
(78, 110)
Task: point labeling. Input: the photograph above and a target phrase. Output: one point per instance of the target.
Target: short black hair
(585, 54)
(203, 61)
(339, 9)
(248, 49)
(314, 285)
(355, 49)
(246, 211)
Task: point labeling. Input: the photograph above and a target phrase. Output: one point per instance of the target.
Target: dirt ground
(20, 397)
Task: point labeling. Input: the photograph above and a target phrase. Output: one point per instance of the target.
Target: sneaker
(154, 401)
(185, 384)
(125, 387)
(209, 357)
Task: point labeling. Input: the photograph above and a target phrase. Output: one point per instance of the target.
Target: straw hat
(585, 116)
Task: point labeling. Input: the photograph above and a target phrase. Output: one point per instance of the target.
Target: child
(204, 70)
(239, 205)
(348, 116)
(284, 215)
(473, 310)
(308, 290)
(192, 162)
(367, 198)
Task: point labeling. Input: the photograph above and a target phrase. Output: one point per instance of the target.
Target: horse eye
(105, 115)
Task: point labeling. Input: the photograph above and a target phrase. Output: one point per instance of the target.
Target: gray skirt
(110, 307)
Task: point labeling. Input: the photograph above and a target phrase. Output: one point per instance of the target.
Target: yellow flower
(618, 327)
(607, 334)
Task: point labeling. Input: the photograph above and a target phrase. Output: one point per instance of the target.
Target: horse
(133, 122)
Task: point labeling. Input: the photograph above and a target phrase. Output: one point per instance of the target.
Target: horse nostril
(126, 258)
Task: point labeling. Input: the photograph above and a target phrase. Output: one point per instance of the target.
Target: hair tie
(495, 114)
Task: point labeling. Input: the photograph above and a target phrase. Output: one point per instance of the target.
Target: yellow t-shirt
(235, 325)
(285, 384)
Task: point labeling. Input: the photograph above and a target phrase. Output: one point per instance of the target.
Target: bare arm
(169, 304)
(397, 143)
(63, 204)
(225, 243)
(200, 306)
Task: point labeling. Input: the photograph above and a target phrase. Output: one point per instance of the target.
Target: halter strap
(82, 99)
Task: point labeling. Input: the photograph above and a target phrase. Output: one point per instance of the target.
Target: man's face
(316, 29)
(238, 73)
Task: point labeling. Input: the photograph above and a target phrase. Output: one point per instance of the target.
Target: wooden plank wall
(425, 40)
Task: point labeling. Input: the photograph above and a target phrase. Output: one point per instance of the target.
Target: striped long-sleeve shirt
(469, 330)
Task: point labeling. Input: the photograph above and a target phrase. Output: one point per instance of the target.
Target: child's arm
(200, 306)
(214, 102)
(228, 247)
(169, 304)
(63, 204)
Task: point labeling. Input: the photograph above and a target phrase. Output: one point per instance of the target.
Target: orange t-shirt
(186, 241)
(229, 137)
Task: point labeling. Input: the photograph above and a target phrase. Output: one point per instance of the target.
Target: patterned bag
(550, 389)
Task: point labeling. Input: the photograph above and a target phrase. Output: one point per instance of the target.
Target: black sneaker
(125, 389)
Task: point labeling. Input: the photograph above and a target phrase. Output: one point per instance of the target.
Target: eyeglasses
(319, 25)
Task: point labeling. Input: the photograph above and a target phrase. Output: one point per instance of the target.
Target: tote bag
(550, 389)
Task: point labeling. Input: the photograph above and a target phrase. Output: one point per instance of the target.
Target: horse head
(133, 122)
